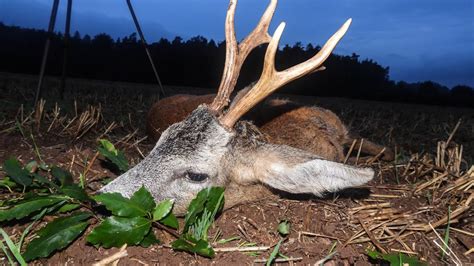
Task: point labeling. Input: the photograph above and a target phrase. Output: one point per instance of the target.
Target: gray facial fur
(196, 144)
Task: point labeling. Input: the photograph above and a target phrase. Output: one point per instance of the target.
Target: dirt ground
(392, 213)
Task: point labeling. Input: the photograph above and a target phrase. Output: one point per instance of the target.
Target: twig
(444, 220)
(244, 233)
(430, 182)
(376, 157)
(317, 235)
(139, 261)
(360, 232)
(371, 206)
(364, 240)
(350, 150)
(469, 252)
(396, 238)
(323, 260)
(162, 227)
(358, 152)
(462, 231)
(372, 238)
(72, 162)
(404, 251)
(385, 196)
(451, 253)
(454, 132)
(279, 260)
(242, 249)
(121, 254)
(90, 164)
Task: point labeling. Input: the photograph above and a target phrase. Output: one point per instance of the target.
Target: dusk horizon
(426, 41)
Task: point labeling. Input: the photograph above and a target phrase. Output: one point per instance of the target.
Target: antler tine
(236, 54)
(271, 80)
(259, 35)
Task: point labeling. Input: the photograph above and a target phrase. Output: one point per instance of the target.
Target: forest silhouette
(198, 62)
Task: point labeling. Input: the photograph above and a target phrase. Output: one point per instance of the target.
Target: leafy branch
(38, 191)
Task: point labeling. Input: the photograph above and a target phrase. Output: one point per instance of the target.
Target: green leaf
(207, 198)
(171, 221)
(215, 200)
(26, 207)
(14, 170)
(56, 235)
(162, 209)
(120, 206)
(44, 181)
(5, 182)
(43, 166)
(50, 209)
(7, 254)
(32, 166)
(446, 235)
(188, 244)
(374, 254)
(13, 248)
(28, 228)
(274, 253)
(117, 231)
(149, 240)
(108, 150)
(62, 176)
(230, 239)
(108, 146)
(144, 199)
(395, 259)
(68, 207)
(76, 192)
(284, 228)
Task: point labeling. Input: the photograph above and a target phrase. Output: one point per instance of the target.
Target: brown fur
(309, 128)
(172, 109)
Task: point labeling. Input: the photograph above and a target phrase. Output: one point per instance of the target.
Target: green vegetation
(284, 230)
(200, 216)
(395, 259)
(40, 191)
(108, 150)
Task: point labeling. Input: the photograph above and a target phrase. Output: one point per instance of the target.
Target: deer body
(206, 145)
(309, 128)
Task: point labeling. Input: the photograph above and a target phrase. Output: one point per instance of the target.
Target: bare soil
(390, 213)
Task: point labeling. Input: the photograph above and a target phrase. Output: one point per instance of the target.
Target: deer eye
(196, 177)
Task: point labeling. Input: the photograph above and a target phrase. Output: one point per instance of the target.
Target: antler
(271, 79)
(236, 53)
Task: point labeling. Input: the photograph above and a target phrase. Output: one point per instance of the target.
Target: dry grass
(409, 201)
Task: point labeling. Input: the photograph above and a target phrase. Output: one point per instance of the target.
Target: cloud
(422, 39)
(35, 14)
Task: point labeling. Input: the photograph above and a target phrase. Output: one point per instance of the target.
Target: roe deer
(211, 148)
(309, 128)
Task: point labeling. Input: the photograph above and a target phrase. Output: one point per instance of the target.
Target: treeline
(199, 62)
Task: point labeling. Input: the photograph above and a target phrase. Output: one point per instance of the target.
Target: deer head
(210, 148)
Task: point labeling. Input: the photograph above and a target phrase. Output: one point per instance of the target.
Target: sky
(418, 39)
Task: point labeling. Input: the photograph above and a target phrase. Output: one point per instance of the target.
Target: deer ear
(296, 171)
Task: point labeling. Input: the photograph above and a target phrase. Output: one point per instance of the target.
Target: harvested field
(407, 208)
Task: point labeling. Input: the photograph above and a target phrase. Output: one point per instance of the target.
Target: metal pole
(52, 21)
(67, 31)
(142, 37)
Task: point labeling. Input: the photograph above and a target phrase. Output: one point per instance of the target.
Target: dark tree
(198, 62)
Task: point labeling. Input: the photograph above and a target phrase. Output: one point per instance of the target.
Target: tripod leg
(52, 21)
(67, 31)
(142, 37)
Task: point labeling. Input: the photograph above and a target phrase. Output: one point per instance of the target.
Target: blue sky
(419, 39)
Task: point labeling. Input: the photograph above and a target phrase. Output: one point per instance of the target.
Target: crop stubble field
(393, 213)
